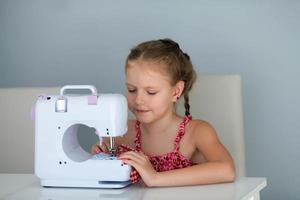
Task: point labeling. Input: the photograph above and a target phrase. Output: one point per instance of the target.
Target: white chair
(17, 128)
(218, 100)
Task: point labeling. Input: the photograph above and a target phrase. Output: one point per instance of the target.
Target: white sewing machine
(60, 161)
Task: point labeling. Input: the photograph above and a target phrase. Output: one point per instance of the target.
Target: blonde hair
(178, 64)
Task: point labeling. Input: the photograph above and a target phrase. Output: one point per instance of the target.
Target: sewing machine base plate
(84, 183)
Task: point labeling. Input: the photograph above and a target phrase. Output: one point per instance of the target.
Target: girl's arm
(218, 168)
(206, 173)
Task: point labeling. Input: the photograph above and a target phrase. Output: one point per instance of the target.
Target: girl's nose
(139, 99)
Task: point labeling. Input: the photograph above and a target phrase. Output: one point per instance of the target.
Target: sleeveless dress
(167, 161)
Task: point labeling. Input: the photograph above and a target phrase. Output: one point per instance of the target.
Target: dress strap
(137, 140)
(181, 131)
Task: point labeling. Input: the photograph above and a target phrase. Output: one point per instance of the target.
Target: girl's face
(150, 95)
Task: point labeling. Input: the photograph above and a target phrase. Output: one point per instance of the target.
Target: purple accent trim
(42, 97)
(92, 100)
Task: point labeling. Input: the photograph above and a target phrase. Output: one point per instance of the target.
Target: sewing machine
(60, 161)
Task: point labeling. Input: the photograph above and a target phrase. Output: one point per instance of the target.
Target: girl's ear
(178, 89)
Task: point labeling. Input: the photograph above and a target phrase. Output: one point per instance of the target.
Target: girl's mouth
(141, 111)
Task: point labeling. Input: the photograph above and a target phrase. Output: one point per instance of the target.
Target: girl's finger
(132, 156)
(133, 153)
(132, 163)
(103, 147)
(95, 149)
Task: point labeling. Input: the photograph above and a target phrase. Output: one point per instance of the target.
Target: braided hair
(178, 63)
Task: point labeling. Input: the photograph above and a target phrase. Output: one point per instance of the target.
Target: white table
(27, 186)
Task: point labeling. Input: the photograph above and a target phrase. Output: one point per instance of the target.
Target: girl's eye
(131, 91)
(151, 93)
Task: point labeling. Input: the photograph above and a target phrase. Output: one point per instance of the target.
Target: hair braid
(186, 104)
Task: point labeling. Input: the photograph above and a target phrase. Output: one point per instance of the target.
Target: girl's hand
(141, 163)
(97, 148)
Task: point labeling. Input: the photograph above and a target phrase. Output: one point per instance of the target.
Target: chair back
(217, 99)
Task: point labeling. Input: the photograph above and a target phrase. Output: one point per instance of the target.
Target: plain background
(58, 42)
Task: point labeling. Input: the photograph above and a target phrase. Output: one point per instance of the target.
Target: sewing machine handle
(78, 87)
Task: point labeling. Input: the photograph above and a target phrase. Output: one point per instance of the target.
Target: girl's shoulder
(199, 123)
(201, 130)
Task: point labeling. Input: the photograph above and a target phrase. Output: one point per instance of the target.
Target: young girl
(166, 149)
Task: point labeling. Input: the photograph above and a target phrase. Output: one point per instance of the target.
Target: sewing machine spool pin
(61, 104)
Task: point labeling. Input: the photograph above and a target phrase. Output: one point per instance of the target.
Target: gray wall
(57, 42)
